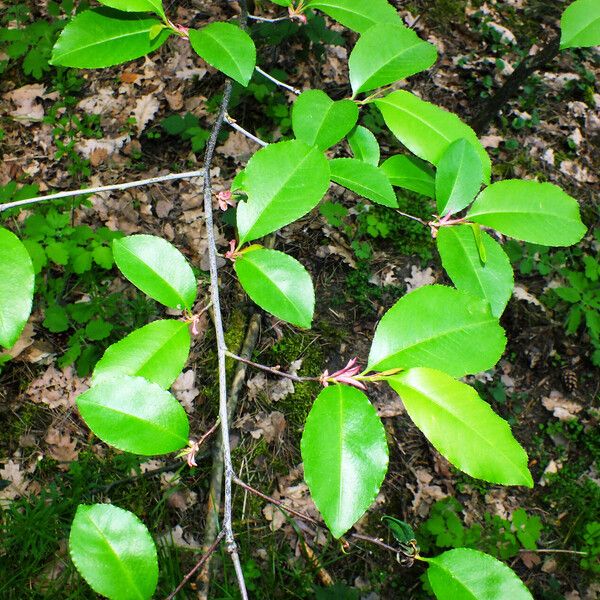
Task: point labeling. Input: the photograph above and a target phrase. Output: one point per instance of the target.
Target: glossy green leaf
(282, 2)
(154, 6)
(357, 14)
(114, 552)
(16, 287)
(465, 574)
(580, 25)
(345, 455)
(319, 121)
(458, 178)
(492, 280)
(410, 173)
(157, 268)
(279, 284)
(283, 181)
(426, 129)
(103, 37)
(364, 145)
(540, 213)
(158, 352)
(226, 47)
(363, 179)
(462, 427)
(439, 327)
(135, 415)
(476, 229)
(386, 53)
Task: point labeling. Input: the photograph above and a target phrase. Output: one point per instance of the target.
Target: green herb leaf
(357, 14)
(458, 178)
(114, 552)
(319, 121)
(438, 327)
(410, 173)
(364, 145)
(279, 284)
(345, 455)
(465, 574)
(283, 181)
(386, 53)
(363, 179)
(134, 415)
(462, 427)
(154, 6)
(227, 48)
(158, 352)
(540, 213)
(580, 25)
(102, 37)
(16, 287)
(426, 129)
(157, 268)
(492, 280)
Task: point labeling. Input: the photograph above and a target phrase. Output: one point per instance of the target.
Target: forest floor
(78, 129)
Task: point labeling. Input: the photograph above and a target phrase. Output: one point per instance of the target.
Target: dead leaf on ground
(185, 390)
(61, 447)
(57, 389)
(425, 494)
(561, 408)
(145, 109)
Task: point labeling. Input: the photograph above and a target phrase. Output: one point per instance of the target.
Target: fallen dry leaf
(185, 390)
(561, 408)
(419, 277)
(145, 109)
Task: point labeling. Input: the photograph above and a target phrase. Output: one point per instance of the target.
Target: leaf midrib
(119, 561)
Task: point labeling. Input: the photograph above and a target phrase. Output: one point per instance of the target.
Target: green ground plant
(423, 344)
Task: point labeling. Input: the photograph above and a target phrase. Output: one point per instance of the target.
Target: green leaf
(569, 294)
(462, 427)
(58, 253)
(364, 145)
(580, 25)
(426, 129)
(102, 37)
(157, 268)
(135, 415)
(357, 14)
(154, 6)
(439, 327)
(282, 2)
(458, 178)
(319, 121)
(540, 213)
(465, 574)
(114, 552)
(103, 257)
(363, 179)
(386, 53)
(345, 455)
(16, 287)
(158, 352)
(410, 173)
(226, 47)
(55, 319)
(492, 280)
(279, 284)
(283, 181)
(98, 329)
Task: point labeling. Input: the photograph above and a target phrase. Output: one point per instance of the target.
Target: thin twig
(266, 20)
(372, 540)
(271, 370)
(202, 560)
(278, 503)
(220, 335)
(243, 131)
(277, 82)
(412, 217)
(554, 551)
(104, 188)
(211, 527)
